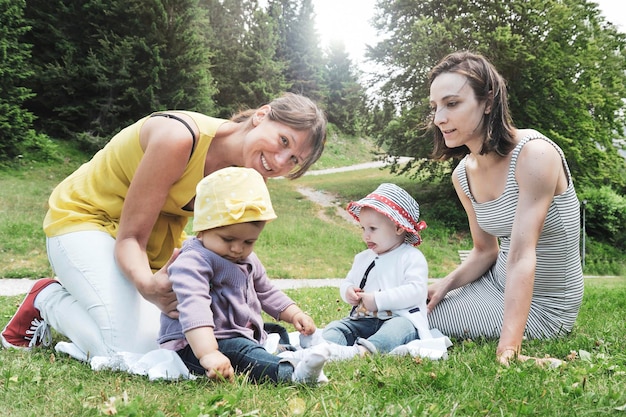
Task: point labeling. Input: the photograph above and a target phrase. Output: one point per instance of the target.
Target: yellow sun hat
(229, 196)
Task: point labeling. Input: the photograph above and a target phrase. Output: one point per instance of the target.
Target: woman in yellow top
(116, 222)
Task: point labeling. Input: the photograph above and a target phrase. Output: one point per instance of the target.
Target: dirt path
(326, 200)
(366, 165)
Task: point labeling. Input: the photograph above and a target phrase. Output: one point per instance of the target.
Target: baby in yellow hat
(222, 287)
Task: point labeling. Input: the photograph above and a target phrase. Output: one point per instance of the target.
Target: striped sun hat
(398, 205)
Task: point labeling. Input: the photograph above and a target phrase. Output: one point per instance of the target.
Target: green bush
(439, 201)
(605, 215)
(603, 259)
(90, 143)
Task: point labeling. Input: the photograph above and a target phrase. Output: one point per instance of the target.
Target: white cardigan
(399, 281)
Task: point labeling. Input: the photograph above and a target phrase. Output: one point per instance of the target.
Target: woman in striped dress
(523, 277)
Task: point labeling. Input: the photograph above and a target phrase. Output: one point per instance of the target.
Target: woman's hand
(507, 355)
(160, 293)
(436, 292)
(217, 366)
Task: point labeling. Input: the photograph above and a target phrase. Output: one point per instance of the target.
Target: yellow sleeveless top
(92, 197)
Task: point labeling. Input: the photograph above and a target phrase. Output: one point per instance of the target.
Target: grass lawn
(308, 242)
(592, 381)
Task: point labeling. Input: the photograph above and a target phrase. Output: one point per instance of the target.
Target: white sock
(293, 354)
(343, 353)
(309, 369)
(311, 340)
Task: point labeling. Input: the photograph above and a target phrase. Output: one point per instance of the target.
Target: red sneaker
(26, 328)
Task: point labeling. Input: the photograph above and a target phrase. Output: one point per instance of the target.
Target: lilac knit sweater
(215, 292)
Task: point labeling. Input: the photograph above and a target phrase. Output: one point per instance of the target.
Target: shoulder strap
(193, 135)
(462, 177)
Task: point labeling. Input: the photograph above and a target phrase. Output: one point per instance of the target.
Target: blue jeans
(245, 356)
(386, 335)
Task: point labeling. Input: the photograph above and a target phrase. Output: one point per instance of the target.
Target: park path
(17, 286)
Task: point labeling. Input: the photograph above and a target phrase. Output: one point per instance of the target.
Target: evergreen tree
(16, 132)
(245, 66)
(345, 97)
(100, 65)
(228, 20)
(58, 52)
(299, 46)
(264, 77)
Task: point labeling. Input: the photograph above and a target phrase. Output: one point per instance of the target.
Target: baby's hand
(217, 366)
(353, 295)
(369, 301)
(303, 323)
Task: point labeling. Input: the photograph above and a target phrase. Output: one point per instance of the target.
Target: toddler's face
(379, 233)
(233, 242)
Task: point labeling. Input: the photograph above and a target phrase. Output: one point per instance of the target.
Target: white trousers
(96, 307)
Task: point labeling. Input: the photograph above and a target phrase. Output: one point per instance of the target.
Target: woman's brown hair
(488, 85)
(299, 113)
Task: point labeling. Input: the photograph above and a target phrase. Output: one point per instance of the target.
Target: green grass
(440, 242)
(341, 151)
(302, 244)
(299, 244)
(468, 383)
(23, 205)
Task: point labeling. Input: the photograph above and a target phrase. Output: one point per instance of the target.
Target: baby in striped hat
(387, 285)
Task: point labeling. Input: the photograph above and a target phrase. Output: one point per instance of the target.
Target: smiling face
(379, 233)
(272, 148)
(456, 111)
(233, 242)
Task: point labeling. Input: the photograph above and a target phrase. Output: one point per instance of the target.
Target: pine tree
(100, 65)
(299, 46)
(345, 97)
(16, 133)
(245, 65)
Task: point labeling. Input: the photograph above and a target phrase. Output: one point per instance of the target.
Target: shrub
(605, 215)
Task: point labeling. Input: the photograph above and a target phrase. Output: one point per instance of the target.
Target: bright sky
(349, 20)
(346, 20)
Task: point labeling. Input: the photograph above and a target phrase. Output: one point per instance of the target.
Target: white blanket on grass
(434, 348)
(166, 364)
(156, 364)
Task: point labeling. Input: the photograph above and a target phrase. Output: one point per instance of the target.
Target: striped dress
(476, 310)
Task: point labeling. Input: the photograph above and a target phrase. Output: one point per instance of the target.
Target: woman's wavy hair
(299, 113)
(488, 85)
